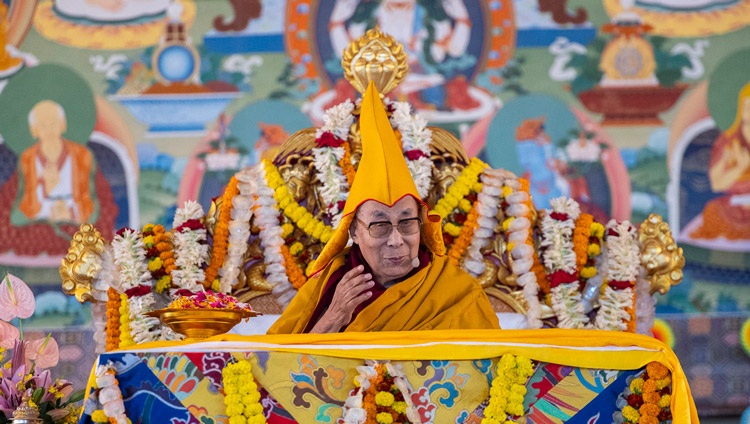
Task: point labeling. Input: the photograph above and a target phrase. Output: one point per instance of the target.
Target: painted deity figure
(729, 173)
(55, 174)
(538, 163)
(435, 35)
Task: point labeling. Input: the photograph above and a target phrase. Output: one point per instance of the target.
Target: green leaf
(76, 396)
(37, 395)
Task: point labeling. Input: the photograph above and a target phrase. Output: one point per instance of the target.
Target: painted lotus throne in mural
(558, 268)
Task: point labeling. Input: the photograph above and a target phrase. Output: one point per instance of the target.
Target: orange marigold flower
(649, 386)
(657, 371)
(649, 409)
(651, 397)
(647, 419)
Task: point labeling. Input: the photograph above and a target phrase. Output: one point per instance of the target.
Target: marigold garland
(647, 399)
(241, 394)
(293, 210)
(293, 271)
(460, 189)
(221, 233)
(382, 396)
(508, 390)
(461, 243)
(113, 320)
(346, 163)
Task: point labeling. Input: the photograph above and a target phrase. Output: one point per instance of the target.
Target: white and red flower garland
(190, 248)
(617, 303)
(137, 284)
(329, 139)
(415, 142)
(559, 260)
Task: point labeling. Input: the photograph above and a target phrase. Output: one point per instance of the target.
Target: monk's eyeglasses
(382, 229)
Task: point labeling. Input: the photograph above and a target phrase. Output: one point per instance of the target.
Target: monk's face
(390, 257)
(48, 124)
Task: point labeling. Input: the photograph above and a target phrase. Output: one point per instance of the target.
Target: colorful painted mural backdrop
(115, 112)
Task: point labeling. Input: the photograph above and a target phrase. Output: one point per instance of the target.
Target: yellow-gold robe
(440, 296)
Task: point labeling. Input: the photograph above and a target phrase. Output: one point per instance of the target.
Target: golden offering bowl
(198, 324)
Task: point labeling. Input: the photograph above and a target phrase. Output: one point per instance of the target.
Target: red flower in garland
(562, 277)
(327, 139)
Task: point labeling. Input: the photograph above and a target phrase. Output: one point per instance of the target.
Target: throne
(558, 267)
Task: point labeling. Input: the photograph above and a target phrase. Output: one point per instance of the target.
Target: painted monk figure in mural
(55, 174)
(395, 276)
(729, 172)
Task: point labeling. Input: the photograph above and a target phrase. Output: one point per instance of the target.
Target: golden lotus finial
(376, 57)
(82, 264)
(660, 256)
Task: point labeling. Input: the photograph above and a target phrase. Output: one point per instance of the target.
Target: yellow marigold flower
(251, 398)
(660, 384)
(665, 401)
(384, 418)
(384, 399)
(99, 416)
(636, 386)
(507, 191)
(148, 241)
(597, 230)
(237, 419)
(464, 205)
(296, 248)
(490, 420)
(477, 187)
(630, 414)
(216, 285)
(154, 264)
(399, 407)
(507, 222)
(286, 229)
(234, 409)
(593, 250)
(452, 229)
(588, 272)
(257, 419)
(254, 409)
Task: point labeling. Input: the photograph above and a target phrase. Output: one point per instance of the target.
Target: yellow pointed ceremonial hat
(382, 176)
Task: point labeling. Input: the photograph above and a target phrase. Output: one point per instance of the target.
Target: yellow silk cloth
(595, 349)
(438, 297)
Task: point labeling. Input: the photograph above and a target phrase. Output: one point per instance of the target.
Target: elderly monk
(395, 275)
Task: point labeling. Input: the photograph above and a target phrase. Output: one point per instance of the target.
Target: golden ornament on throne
(274, 218)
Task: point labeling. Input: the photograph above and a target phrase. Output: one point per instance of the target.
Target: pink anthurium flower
(16, 299)
(8, 335)
(44, 352)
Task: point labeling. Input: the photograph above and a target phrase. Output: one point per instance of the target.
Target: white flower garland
(559, 256)
(130, 257)
(337, 120)
(190, 249)
(415, 136)
(519, 231)
(267, 219)
(239, 232)
(622, 265)
(488, 201)
(109, 394)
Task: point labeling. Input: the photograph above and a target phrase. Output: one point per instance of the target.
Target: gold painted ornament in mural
(628, 58)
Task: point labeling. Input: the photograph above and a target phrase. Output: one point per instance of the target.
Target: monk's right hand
(353, 289)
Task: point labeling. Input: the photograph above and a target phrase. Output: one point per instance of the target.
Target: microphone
(415, 262)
